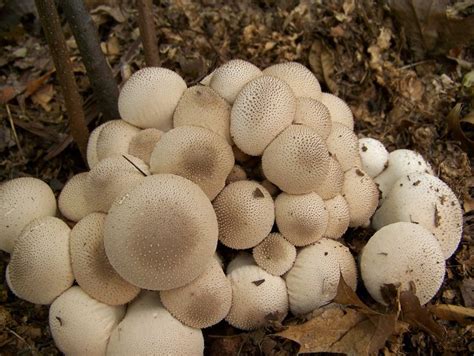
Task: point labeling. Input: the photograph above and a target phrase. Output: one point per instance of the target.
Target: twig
(12, 125)
(99, 72)
(57, 46)
(135, 166)
(19, 337)
(148, 32)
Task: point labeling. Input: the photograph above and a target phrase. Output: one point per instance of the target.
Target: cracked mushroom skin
(161, 234)
(275, 254)
(343, 145)
(73, 201)
(142, 144)
(373, 155)
(403, 253)
(340, 112)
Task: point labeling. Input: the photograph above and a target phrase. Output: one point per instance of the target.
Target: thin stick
(57, 46)
(148, 32)
(134, 165)
(98, 70)
(12, 125)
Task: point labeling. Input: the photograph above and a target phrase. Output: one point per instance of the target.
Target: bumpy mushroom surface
(313, 113)
(142, 144)
(332, 184)
(73, 201)
(263, 109)
(298, 77)
(21, 201)
(245, 213)
(229, 79)
(424, 199)
(373, 155)
(148, 328)
(339, 110)
(149, 98)
(403, 253)
(297, 161)
(81, 325)
(275, 254)
(114, 139)
(255, 294)
(242, 259)
(197, 154)
(339, 217)
(203, 302)
(92, 158)
(313, 279)
(40, 266)
(344, 146)
(161, 234)
(91, 267)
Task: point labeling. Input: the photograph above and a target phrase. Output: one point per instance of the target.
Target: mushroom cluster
(258, 161)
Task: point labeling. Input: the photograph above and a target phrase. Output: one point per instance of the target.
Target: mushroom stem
(98, 71)
(57, 46)
(148, 33)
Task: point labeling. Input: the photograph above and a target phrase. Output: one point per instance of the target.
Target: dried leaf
(346, 296)
(34, 85)
(7, 93)
(457, 313)
(322, 64)
(43, 97)
(467, 291)
(454, 118)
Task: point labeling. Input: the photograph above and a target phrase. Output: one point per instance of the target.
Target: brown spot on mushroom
(437, 216)
(259, 282)
(416, 183)
(257, 193)
(364, 148)
(359, 173)
(60, 320)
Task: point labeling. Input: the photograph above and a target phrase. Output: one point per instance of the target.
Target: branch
(57, 46)
(148, 33)
(100, 75)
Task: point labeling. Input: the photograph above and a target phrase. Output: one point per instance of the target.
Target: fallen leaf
(346, 296)
(457, 313)
(321, 61)
(33, 85)
(7, 93)
(43, 97)
(454, 126)
(467, 291)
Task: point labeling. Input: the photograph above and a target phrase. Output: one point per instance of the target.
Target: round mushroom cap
(275, 254)
(263, 109)
(403, 253)
(313, 113)
(245, 214)
(332, 185)
(162, 233)
(302, 219)
(361, 195)
(201, 106)
(207, 79)
(92, 158)
(203, 302)
(301, 80)
(40, 265)
(400, 163)
(150, 96)
(197, 154)
(243, 258)
(255, 295)
(339, 217)
(148, 328)
(73, 201)
(81, 325)
(426, 200)
(21, 201)
(114, 139)
(229, 79)
(313, 279)
(344, 146)
(91, 267)
(297, 161)
(339, 110)
(236, 174)
(142, 144)
(373, 155)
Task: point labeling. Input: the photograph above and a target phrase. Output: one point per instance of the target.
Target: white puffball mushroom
(339, 110)
(241, 259)
(142, 144)
(373, 155)
(343, 145)
(114, 139)
(275, 254)
(92, 158)
(74, 201)
(339, 217)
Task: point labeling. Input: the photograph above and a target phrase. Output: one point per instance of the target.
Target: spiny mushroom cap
(21, 201)
(361, 195)
(263, 109)
(302, 219)
(339, 110)
(332, 185)
(241, 259)
(203, 302)
(91, 267)
(92, 158)
(245, 213)
(402, 253)
(74, 202)
(313, 113)
(142, 144)
(197, 154)
(111, 178)
(161, 234)
(81, 325)
(40, 265)
(400, 163)
(236, 174)
(297, 161)
(339, 217)
(255, 295)
(114, 139)
(148, 328)
(229, 79)
(150, 96)
(201, 106)
(373, 155)
(344, 146)
(301, 80)
(275, 254)
(313, 279)
(424, 199)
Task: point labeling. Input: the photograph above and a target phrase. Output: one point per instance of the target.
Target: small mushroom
(92, 158)
(343, 145)
(241, 259)
(339, 217)
(275, 254)
(313, 113)
(142, 144)
(114, 139)
(332, 184)
(373, 155)
(73, 201)
(339, 110)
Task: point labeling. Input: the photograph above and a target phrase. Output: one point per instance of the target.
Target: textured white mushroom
(313, 113)
(241, 259)
(403, 253)
(142, 144)
(332, 184)
(344, 146)
(373, 155)
(114, 139)
(150, 96)
(426, 200)
(339, 217)
(207, 79)
(81, 325)
(275, 254)
(339, 110)
(74, 202)
(21, 201)
(92, 158)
